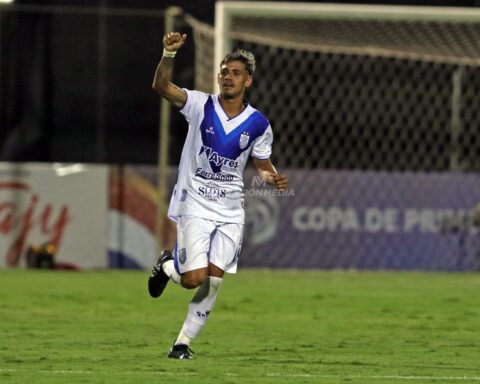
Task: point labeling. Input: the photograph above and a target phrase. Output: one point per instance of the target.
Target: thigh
(215, 271)
(226, 246)
(193, 243)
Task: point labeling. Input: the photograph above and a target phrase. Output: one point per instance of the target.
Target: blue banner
(364, 220)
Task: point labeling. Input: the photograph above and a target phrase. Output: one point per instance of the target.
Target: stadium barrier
(100, 216)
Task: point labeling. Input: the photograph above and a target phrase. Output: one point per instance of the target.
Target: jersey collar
(224, 116)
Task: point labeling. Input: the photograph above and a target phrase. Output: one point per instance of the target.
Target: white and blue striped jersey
(214, 156)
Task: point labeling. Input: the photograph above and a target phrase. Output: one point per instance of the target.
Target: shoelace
(156, 269)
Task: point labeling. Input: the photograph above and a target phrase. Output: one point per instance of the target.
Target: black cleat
(181, 352)
(158, 279)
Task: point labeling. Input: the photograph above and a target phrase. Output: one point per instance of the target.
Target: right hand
(173, 41)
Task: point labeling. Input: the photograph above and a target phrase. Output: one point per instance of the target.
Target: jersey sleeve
(194, 105)
(262, 147)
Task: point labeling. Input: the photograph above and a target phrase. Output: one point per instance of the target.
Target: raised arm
(162, 81)
(269, 174)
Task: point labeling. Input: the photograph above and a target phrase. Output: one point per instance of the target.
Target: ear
(249, 81)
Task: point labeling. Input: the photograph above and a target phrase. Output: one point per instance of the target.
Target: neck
(232, 107)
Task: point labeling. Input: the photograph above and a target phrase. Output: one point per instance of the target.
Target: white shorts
(200, 241)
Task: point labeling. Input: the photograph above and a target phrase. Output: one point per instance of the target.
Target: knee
(192, 281)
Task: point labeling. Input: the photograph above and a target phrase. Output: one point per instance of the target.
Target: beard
(227, 96)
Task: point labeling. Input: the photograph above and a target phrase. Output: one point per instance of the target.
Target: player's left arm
(269, 174)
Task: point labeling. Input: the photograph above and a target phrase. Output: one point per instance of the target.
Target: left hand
(280, 181)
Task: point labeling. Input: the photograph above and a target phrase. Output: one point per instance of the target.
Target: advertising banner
(64, 205)
(365, 220)
(326, 219)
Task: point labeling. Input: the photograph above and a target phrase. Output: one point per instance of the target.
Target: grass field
(267, 327)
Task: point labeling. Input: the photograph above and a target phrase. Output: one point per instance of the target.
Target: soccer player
(207, 202)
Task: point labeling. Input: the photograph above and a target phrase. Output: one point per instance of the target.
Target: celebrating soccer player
(207, 202)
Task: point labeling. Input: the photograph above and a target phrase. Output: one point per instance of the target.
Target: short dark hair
(244, 56)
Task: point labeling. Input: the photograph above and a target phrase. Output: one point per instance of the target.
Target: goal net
(358, 87)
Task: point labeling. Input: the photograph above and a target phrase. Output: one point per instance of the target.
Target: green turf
(267, 327)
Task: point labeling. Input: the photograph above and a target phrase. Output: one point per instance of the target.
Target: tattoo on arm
(162, 83)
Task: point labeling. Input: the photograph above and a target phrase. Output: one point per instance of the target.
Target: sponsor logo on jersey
(200, 172)
(244, 139)
(210, 130)
(211, 191)
(216, 159)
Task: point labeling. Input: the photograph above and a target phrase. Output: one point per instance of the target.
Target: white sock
(183, 339)
(170, 271)
(199, 309)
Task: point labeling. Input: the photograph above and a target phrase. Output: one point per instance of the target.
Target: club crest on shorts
(182, 255)
(244, 139)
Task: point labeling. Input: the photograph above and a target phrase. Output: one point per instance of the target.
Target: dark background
(50, 82)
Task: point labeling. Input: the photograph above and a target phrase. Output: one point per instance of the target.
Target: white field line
(280, 375)
(379, 377)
